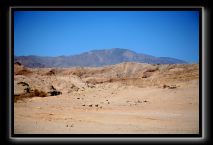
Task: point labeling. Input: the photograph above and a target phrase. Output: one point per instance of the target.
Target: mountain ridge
(94, 58)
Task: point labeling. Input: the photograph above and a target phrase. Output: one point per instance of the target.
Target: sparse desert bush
(51, 72)
(33, 93)
(169, 87)
(165, 86)
(152, 69)
(39, 93)
(74, 88)
(110, 80)
(146, 75)
(23, 72)
(99, 81)
(55, 93)
(79, 72)
(91, 81)
(23, 83)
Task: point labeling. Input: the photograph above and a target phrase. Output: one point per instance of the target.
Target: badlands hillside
(125, 98)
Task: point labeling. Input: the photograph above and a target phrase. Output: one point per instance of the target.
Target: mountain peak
(95, 58)
(120, 49)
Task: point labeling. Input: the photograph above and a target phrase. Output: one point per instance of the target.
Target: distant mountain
(94, 58)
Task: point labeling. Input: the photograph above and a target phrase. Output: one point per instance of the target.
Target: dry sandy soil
(127, 98)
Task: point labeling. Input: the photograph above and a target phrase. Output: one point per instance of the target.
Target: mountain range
(94, 58)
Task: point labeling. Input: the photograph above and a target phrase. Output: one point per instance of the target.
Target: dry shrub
(146, 75)
(152, 69)
(39, 93)
(23, 72)
(110, 80)
(34, 93)
(51, 72)
(169, 87)
(23, 84)
(79, 72)
(74, 88)
(55, 93)
(91, 81)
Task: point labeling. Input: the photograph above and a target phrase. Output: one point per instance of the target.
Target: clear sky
(158, 33)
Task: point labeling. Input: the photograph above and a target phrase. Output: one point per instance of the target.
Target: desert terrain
(126, 98)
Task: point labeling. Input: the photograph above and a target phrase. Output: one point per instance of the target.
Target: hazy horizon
(90, 51)
(172, 34)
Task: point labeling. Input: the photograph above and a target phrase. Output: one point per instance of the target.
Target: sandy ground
(127, 98)
(121, 109)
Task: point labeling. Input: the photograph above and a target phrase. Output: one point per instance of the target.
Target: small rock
(139, 101)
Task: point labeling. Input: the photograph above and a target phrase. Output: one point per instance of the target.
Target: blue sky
(158, 33)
